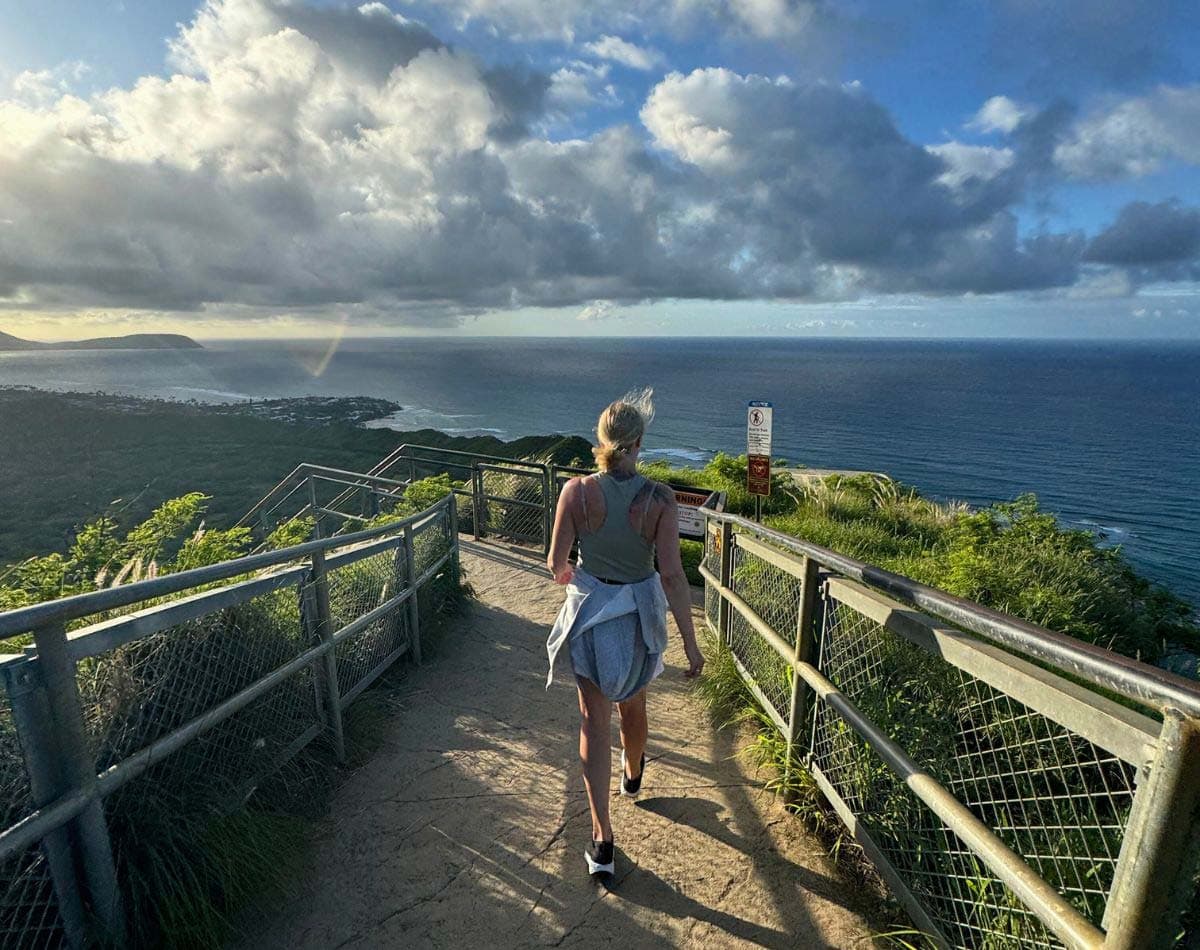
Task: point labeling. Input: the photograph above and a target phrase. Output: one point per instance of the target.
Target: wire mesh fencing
(187, 705)
(1053, 797)
(512, 503)
(773, 594)
(29, 917)
(1019, 766)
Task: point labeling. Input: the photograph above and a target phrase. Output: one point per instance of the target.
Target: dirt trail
(467, 826)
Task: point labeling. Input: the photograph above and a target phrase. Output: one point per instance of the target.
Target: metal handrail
(81, 605)
(297, 477)
(1104, 668)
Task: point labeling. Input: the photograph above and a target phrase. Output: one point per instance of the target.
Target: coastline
(71, 457)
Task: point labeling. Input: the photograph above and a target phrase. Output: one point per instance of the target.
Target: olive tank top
(615, 551)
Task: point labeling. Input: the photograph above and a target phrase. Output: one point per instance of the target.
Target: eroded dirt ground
(467, 826)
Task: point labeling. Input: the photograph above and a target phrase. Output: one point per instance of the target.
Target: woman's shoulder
(655, 493)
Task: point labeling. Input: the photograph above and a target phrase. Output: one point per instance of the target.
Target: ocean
(1106, 434)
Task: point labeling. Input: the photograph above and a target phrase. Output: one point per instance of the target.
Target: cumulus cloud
(1135, 136)
(579, 85)
(998, 114)
(42, 86)
(968, 163)
(627, 54)
(337, 161)
(828, 196)
(598, 310)
(576, 21)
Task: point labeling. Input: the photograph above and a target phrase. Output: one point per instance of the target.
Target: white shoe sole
(595, 868)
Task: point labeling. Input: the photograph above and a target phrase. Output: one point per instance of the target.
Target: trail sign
(758, 448)
(758, 428)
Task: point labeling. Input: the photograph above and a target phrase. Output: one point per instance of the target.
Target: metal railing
(507, 498)
(191, 687)
(982, 763)
(511, 499)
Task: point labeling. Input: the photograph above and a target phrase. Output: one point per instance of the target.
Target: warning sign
(758, 475)
(758, 428)
(758, 448)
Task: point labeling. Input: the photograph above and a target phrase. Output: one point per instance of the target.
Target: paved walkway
(467, 826)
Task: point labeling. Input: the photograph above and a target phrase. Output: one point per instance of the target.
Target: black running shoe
(600, 857)
(631, 786)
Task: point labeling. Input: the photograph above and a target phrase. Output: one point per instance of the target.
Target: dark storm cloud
(1148, 234)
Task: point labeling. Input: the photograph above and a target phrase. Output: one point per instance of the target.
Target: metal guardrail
(978, 760)
(204, 694)
(513, 499)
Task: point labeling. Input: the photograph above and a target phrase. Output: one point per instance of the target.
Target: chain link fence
(185, 705)
(1005, 804)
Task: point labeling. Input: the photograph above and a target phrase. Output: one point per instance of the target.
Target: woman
(614, 620)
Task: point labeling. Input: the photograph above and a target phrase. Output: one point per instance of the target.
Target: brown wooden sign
(758, 475)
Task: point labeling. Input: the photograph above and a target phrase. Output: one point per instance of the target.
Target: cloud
(327, 162)
(573, 21)
(1151, 241)
(579, 85)
(43, 86)
(1135, 136)
(598, 310)
(627, 54)
(828, 198)
(966, 163)
(998, 114)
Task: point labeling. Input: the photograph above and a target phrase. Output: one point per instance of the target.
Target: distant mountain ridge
(134, 341)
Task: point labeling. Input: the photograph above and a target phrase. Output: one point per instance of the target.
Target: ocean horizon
(1106, 434)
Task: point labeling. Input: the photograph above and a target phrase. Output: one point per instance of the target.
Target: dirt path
(467, 826)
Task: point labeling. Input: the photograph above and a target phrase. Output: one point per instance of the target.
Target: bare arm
(564, 533)
(674, 580)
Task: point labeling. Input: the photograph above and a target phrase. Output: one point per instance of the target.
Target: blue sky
(773, 167)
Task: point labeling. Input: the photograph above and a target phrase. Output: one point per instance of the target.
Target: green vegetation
(224, 821)
(1011, 556)
(69, 457)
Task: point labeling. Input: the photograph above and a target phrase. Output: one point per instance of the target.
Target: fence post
(724, 625)
(806, 638)
(1162, 842)
(324, 634)
(547, 508)
(78, 771)
(414, 611)
(477, 503)
(31, 718)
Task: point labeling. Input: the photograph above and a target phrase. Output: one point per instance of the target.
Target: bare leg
(633, 730)
(595, 754)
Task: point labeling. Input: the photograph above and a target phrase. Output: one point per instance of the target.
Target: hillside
(134, 341)
(70, 457)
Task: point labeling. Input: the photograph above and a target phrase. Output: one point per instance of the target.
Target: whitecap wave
(1108, 530)
(679, 454)
(219, 393)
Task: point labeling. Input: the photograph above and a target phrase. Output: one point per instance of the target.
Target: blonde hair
(620, 425)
